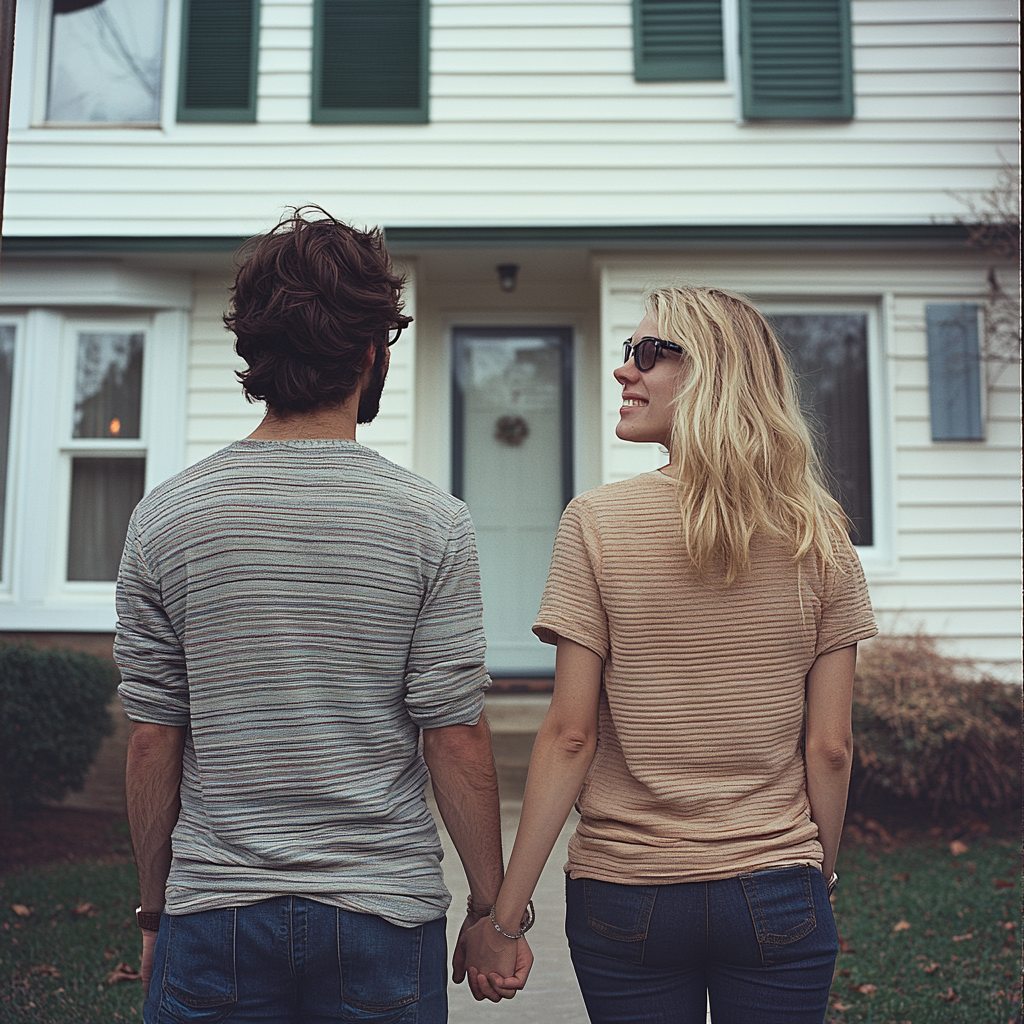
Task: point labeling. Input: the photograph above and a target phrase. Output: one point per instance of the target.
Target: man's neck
(336, 422)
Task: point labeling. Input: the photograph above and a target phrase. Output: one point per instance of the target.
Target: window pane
(829, 355)
(6, 381)
(108, 385)
(106, 60)
(104, 493)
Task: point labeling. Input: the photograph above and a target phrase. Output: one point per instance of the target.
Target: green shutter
(219, 46)
(370, 60)
(796, 59)
(677, 40)
(954, 371)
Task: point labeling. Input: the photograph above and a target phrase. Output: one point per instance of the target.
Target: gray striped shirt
(306, 608)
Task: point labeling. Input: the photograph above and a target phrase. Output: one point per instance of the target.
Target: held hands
(498, 967)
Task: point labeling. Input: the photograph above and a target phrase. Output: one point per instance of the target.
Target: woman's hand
(498, 967)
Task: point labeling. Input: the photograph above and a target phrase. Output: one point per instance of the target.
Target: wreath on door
(511, 430)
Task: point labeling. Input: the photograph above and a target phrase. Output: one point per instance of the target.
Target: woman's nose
(626, 372)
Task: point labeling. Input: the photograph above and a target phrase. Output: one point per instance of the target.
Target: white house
(536, 165)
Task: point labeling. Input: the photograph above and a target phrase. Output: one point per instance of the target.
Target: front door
(512, 465)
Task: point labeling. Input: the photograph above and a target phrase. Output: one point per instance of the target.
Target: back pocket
(617, 917)
(781, 907)
(199, 970)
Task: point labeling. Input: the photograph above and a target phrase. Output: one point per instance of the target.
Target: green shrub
(933, 730)
(53, 717)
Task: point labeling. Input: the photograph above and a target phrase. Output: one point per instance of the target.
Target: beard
(369, 400)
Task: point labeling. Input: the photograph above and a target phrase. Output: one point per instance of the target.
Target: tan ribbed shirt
(699, 771)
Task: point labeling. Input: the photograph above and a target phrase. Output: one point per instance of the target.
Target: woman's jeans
(291, 960)
(761, 948)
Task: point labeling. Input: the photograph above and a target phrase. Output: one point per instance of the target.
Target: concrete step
(514, 719)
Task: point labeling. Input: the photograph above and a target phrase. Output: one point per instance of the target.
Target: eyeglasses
(646, 351)
(394, 334)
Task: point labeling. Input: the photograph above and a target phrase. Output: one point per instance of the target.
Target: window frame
(70, 447)
(217, 115)
(320, 114)
(17, 321)
(879, 553)
(41, 30)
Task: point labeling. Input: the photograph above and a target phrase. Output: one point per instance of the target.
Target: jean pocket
(617, 917)
(379, 964)
(781, 907)
(199, 969)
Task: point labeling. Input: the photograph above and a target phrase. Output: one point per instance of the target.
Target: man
(300, 639)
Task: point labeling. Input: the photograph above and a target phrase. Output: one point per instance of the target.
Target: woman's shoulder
(620, 493)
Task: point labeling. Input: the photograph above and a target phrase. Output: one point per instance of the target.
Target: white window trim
(877, 558)
(40, 30)
(14, 447)
(38, 596)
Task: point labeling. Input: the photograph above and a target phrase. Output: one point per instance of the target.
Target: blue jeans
(761, 948)
(291, 960)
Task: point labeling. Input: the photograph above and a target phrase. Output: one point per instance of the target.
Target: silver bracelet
(831, 884)
(527, 923)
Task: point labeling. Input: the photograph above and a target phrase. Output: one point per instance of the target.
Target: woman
(706, 618)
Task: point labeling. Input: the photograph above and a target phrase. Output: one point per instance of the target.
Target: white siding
(535, 118)
(948, 557)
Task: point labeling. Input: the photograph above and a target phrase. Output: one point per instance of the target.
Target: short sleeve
(571, 606)
(445, 675)
(846, 615)
(154, 680)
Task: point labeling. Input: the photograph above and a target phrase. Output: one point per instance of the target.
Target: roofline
(642, 236)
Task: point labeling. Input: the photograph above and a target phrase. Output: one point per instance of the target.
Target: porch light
(507, 275)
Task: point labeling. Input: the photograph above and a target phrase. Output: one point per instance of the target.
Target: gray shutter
(677, 40)
(954, 372)
(370, 60)
(219, 45)
(796, 59)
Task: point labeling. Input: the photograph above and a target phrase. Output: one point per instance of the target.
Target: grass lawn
(931, 933)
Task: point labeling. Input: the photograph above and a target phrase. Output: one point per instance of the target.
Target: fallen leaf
(841, 1007)
(1002, 883)
(958, 848)
(866, 989)
(1010, 925)
(845, 974)
(122, 972)
(948, 997)
(20, 909)
(84, 909)
(963, 938)
(47, 969)
(931, 968)
(901, 926)
(901, 876)
(844, 946)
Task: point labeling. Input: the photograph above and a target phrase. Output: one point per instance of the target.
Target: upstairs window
(678, 40)
(795, 59)
(106, 61)
(370, 61)
(219, 46)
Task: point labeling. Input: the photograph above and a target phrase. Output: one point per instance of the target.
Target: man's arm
(152, 785)
(465, 785)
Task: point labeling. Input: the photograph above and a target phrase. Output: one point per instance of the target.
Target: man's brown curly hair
(310, 298)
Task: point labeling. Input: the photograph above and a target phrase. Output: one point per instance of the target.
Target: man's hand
(497, 967)
(148, 945)
(459, 956)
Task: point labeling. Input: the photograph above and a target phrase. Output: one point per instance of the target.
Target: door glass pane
(6, 383)
(512, 445)
(104, 493)
(106, 61)
(108, 385)
(829, 354)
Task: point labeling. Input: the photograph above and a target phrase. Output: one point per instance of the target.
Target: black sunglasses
(394, 334)
(646, 351)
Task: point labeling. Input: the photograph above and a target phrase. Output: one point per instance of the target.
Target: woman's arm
(562, 754)
(828, 746)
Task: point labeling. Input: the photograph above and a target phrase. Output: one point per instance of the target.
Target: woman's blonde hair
(746, 461)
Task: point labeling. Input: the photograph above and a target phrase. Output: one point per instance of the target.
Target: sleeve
(571, 606)
(154, 680)
(445, 675)
(846, 615)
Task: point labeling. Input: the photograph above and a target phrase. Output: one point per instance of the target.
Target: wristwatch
(147, 922)
(832, 883)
